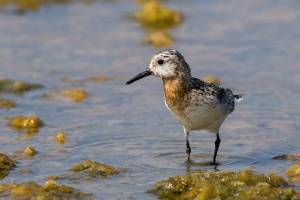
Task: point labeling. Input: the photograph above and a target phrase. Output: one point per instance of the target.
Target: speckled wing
(224, 97)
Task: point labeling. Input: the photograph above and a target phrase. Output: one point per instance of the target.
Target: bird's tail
(238, 97)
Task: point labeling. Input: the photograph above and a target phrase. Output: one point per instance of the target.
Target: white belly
(205, 117)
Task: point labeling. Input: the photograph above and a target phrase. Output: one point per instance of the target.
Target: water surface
(252, 46)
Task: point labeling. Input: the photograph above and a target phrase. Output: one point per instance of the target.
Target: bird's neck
(176, 84)
(176, 89)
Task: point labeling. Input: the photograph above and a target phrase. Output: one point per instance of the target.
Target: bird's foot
(215, 163)
(188, 159)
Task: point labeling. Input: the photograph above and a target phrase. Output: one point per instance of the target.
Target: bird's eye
(160, 62)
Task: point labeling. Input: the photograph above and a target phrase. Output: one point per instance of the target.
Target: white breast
(205, 117)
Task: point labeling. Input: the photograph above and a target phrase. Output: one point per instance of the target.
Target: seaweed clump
(6, 103)
(158, 19)
(292, 157)
(105, 78)
(50, 190)
(30, 151)
(294, 172)
(60, 138)
(6, 164)
(26, 122)
(17, 87)
(21, 6)
(225, 185)
(211, 79)
(159, 39)
(154, 15)
(87, 171)
(78, 95)
(95, 169)
(30, 124)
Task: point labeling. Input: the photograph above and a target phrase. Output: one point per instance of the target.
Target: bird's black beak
(139, 76)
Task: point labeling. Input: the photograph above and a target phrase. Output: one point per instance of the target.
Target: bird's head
(166, 64)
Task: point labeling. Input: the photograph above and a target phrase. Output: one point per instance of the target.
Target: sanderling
(197, 105)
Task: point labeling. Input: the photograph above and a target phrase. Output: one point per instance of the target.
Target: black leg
(188, 149)
(217, 144)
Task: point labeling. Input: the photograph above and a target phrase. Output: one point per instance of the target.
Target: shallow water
(252, 46)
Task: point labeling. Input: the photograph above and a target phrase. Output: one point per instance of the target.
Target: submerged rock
(225, 185)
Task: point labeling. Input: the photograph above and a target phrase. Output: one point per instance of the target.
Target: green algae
(159, 39)
(123, 169)
(17, 87)
(101, 78)
(146, 1)
(66, 79)
(60, 138)
(294, 172)
(30, 151)
(30, 125)
(88, 171)
(78, 95)
(156, 16)
(27, 153)
(6, 164)
(225, 185)
(23, 6)
(292, 157)
(95, 169)
(157, 19)
(26, 122)
(50, 190)
(24, 171)
(6, 103)
(211, 79)
(105, 78)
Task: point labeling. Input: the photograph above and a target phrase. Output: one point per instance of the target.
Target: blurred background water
(253, 47)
